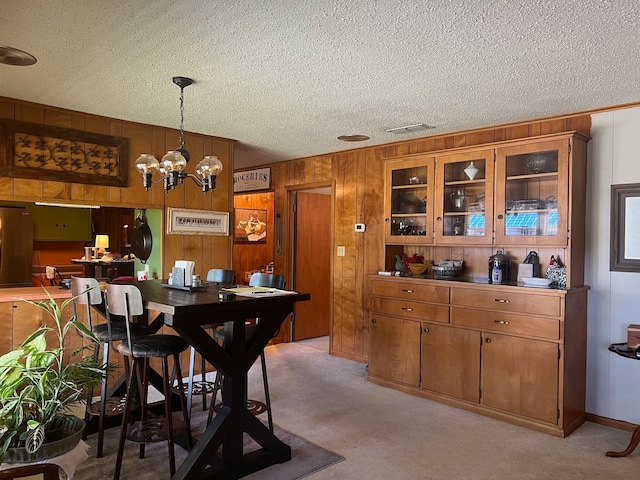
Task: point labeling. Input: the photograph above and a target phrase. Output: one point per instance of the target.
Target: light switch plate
(341, 251)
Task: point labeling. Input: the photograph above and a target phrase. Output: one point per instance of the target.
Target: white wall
(613, 382)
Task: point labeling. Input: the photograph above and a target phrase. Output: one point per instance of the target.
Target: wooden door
(395, 349)
(451, 361)
(520, 375)
(312, 265)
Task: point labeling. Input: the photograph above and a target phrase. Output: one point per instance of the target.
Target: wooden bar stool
(126, 301)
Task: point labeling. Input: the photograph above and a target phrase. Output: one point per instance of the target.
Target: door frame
(289, 246)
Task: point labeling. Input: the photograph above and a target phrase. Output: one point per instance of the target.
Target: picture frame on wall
(197, 222)
(625, 228)
(250, 226)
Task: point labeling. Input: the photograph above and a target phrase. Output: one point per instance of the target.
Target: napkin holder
(177, 276)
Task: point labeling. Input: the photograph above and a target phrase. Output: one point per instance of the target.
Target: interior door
(312, 264)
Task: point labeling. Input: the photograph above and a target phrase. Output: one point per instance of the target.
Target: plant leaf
(35, 438)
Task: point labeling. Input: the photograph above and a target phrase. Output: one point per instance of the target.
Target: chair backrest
(85, 291)
(125, 301)
(267, 280)
(222, 276)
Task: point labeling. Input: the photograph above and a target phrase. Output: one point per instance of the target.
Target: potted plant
(38, 387)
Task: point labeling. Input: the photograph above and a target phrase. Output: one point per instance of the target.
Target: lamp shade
(102, 242)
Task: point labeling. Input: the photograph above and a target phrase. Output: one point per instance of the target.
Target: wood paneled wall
(206, 251)
(358, 178)
(254, 256)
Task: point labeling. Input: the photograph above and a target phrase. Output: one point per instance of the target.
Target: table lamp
(102, 242)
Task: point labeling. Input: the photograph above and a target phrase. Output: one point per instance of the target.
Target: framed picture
(251, 226)
(625, 228)
(197, 222)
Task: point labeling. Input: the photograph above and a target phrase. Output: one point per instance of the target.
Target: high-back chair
(86, 293)
(126, 301)
(215, 276)
(270, 280)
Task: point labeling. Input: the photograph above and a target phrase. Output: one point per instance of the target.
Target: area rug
(306, 457)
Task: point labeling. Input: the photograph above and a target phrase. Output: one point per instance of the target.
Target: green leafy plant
(37, 385)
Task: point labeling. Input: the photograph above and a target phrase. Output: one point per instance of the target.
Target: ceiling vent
(410, 128)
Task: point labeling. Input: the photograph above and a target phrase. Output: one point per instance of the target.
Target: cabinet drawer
(503, 301)
(506, 323)
(404, 308)
(411, 291)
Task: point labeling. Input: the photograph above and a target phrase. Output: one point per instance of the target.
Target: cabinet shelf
(408, 215)
(461, 214)
(465, 182)
(414, 186)
(534, 176)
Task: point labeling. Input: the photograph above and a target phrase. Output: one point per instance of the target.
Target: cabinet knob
(386, 220)
(425, 330)
(373, 320)
(500, 217)
(501, 322)
(407, 309)
(439, 219)
(487, 340)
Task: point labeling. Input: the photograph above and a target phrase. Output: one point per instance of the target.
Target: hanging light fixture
(173, 164)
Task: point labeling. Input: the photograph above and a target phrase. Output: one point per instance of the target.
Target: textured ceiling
(285, 78)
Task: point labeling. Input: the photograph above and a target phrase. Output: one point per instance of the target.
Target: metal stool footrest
(198, 388)
(254, 406)
(149, 431)
(113, 406)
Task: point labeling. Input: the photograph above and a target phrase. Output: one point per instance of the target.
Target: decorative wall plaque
(31, 150)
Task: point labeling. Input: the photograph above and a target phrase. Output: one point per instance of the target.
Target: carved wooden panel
(34, 151)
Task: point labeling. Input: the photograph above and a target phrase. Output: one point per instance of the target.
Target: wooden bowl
(417, 268)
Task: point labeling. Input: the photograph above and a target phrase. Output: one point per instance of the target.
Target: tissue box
(528, 270)
(633, 336)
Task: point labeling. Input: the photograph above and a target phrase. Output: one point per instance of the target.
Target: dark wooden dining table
(218, 452)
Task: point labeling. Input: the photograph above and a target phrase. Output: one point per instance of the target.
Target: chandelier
(173, 164)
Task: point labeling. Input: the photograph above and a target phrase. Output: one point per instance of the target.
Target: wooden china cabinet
(509, 351)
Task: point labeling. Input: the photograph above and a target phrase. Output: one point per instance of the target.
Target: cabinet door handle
(501, 300)
(426, 330)
(500, 217)
(487, 340)
(407, 291)
(501, 322)
(408, 309)
(373, 320)
(439, 219)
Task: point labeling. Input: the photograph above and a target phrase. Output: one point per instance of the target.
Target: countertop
(32, 293)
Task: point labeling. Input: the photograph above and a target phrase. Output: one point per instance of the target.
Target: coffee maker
(502, 263)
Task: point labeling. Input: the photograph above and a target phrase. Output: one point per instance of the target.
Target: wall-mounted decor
(31, 150)
(250, 180)
(197, 222)
(625, 228)
(251, 225)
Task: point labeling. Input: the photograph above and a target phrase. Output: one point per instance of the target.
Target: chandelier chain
(181, 117)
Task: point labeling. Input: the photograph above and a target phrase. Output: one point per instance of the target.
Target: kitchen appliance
(503, 263)
(16, 247)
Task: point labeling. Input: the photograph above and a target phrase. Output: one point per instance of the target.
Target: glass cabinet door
(532, 193)
(408, 204)
(464, 198)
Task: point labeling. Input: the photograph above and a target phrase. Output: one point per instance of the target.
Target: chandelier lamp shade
(173, 165)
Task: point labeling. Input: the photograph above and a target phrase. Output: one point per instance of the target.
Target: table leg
(633, 443)
(234, 419)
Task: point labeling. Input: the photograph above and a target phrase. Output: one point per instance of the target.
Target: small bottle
(496, 274)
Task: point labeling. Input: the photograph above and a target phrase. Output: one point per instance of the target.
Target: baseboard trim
(610, 422)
